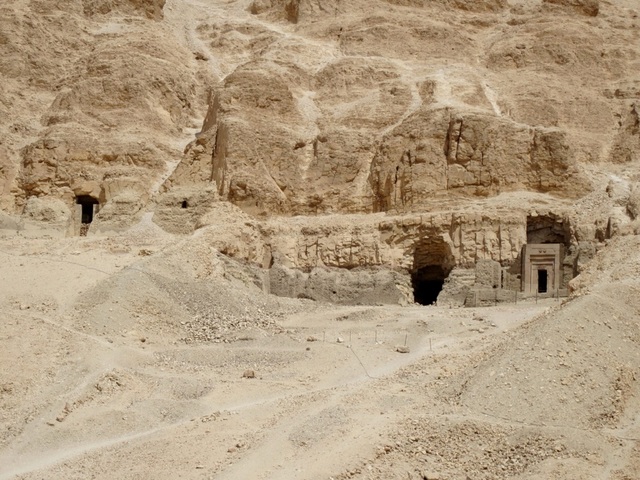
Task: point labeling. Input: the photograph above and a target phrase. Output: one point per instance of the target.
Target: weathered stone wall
(352, 136)
(487, 297)
(405, 242)
(456, 287)
(63, 170)
(353, 251)
(359, 286)
(441, 151)
(488, 274)
(180, 210)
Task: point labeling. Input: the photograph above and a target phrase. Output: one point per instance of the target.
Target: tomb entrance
(87, 207)
(432, 263)
(543, 276)
(427, 283)
(541, 269)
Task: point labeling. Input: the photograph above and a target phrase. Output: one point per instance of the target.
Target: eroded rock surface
(315, 107)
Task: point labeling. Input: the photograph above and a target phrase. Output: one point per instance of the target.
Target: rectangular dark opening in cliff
(427, 284)
(87, 204)
(542, 281)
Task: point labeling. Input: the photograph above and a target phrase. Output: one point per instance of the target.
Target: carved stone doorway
(541, 268)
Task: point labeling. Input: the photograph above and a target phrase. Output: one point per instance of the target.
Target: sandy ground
(104, 377)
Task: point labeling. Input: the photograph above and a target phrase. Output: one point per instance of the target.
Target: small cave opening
(427, 283)
(184, 204)
(432, 264)
(87, 202)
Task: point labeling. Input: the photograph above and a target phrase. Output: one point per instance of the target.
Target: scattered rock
(402, 349)
(426, 475)
(249, 374)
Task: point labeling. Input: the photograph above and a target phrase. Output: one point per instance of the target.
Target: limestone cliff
(366, 112)
(461, 118)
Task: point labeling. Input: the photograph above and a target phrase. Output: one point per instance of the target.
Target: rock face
(88, 170)
(434, 152)
(7, 177)
(443, 153)
(350, 287)
(626, 148)
(584, 7)
(414, 136)
(149, 8)
(351, 242)
(97, 97)
(359, 125)
(372, 259)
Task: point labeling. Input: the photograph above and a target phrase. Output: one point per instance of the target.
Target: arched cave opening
(432, 263)
(184, 204)
(427, 283)
(87, 202)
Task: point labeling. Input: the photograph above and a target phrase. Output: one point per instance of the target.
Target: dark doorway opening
(87, 203)
(427, 284)
(542, 281)
(184, 204)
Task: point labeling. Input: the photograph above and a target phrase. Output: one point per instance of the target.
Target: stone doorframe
(541, 256)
